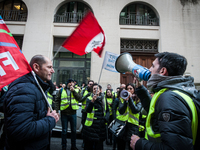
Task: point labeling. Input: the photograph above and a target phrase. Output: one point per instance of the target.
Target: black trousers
(122, 145)
(92, 145)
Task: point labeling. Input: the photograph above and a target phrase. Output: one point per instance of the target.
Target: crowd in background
(109, 106)
(163, 117)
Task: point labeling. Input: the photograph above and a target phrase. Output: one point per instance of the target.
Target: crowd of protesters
(163, 117)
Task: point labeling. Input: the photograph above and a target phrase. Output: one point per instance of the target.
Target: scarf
(157, 78)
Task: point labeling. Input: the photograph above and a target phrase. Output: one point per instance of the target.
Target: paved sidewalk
(56, 144)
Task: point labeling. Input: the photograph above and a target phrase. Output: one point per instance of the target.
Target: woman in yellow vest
(94, 130)
(109, 98)
(129, 107)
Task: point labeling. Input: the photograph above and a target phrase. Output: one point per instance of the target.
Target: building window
(139, 45)
(13, 10)
(71, 12)
(69, 65)
(19, 40)
(138, 14)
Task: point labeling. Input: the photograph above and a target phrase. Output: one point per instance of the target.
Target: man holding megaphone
(173, 111)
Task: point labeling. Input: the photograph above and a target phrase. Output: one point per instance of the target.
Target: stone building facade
(141, 28)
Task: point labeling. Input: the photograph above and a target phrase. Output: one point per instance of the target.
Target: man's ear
(163, 71)
(36, 67)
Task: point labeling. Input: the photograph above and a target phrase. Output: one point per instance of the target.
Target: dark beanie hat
(69, 81)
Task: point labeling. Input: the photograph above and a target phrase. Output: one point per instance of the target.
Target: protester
(83, 85)
(123, 86)
(171, 121)
(86, 92)
(2, 129)
(50, 93)
(28, 121)
(94, 130)
(110, 88)
(55, 85)
(76, 84)
(67, 101)
(109, 98)
(129, 109)
(115, 107)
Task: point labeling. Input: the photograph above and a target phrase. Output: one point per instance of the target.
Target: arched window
(138, 14)
(71, 12)
(13, 10)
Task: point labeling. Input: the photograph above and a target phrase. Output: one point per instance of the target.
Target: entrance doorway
(142, 52)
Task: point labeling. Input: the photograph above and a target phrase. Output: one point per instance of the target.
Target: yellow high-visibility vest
(150, 135)
(84, 102)
(133, 118)
(123, 117)
(64, 104)
(110, 100)
(49, 98)
(90, 116)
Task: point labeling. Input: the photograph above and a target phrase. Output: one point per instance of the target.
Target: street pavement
(56, 143)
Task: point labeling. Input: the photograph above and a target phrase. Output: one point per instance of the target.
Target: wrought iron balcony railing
(134, 19)
(69, 17)
(13, 15)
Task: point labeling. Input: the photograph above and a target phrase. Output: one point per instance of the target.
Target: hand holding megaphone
(125, 63)
(136, 82)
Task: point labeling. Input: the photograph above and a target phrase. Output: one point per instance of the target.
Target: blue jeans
(72, 120)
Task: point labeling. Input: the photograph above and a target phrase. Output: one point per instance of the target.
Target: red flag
(13, 64)
(87, 37)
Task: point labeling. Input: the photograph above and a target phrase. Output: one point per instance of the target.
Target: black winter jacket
(176, 132)
(97, 131)
(130, 128)
(26, 123)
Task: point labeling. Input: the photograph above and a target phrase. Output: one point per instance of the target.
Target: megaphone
(125, 63)
(124, 94)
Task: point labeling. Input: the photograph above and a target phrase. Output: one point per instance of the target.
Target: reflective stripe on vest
(84, 102)
(64, 104)
(133, 118)
(110, 100)
(90, 116)
(49, 98)
(123, 117)
(150, 135)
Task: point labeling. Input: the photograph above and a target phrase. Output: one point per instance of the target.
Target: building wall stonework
(178, 31)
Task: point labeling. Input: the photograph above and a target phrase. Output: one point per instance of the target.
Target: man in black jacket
(28, 121)
(172, 121)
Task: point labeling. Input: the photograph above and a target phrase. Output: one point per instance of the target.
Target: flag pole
(100, 73)
(33, 73)
(56, 53)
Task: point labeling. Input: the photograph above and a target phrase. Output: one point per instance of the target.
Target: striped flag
(13, 64)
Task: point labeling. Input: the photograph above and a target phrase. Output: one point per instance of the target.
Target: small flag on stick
(87, 37)
(109, 61)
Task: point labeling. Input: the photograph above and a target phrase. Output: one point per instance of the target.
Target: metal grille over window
(139, 45)
(71, 12)
(138, 14)
(13, 10)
